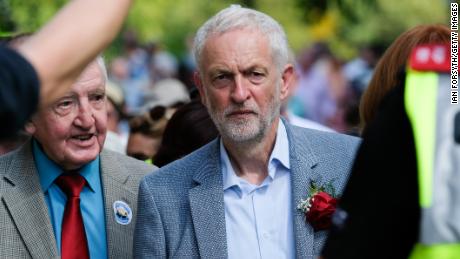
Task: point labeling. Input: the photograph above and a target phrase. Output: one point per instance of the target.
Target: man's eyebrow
(67, 95)
(219, 71)
(97, 91)
(255, 67)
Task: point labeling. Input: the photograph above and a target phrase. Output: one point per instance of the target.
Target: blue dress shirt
(258, 218)
(91, 201)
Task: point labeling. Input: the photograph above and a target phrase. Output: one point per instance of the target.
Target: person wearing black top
(379, 213)
(19, 91)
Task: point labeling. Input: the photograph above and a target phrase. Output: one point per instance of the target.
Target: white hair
(237, 17)
(100, 62)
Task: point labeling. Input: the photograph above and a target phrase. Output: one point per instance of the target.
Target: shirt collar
(230, 178)
(279, 156)
(280, 153)
(48, 170)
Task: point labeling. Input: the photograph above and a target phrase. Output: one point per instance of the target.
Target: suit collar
(26, 203)
(115, 189)
(303, 160)
(300, 148)
(207, 205)
(279, 155)
(211, 163)
(207, 200)
(25, 200)
(112, 167)
(48, 171)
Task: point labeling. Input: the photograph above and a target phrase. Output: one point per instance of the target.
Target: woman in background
(379, 214)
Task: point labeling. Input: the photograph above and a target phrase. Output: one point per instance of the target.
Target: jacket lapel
(25, 201)
(114, 188)
(303, 160)
(207, 200)
(207, 206)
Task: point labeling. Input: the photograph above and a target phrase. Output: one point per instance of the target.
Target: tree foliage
(345, 24)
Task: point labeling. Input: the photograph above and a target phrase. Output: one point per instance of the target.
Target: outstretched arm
(65, 45)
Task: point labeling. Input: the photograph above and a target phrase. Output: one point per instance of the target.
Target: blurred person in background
(189, 128)
(162, 64)
(63, 195)
(117, 134)
(119, 72)
(167, 92)
(359, 71)
(146, 132)
(131, 72)
(165, 88)
(322, 88)
(47, 64)
(133, 93)
(379, 213)
(187, 64)
(289, 104)
(135, 55)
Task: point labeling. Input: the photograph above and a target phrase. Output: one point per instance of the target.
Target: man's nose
(85, 118)
(240, 92)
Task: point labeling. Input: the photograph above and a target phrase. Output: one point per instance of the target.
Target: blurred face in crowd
(72, 130)
(142, 147)
(113, 117)
(240, 84)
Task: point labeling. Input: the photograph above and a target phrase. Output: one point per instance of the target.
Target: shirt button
(266, 235)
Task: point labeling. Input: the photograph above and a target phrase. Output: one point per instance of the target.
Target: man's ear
(199, 85)
(30, 127)
(287, 79)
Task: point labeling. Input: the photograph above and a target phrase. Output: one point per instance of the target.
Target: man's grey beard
(246, 131)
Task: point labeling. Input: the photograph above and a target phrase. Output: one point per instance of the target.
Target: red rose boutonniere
(319, 206)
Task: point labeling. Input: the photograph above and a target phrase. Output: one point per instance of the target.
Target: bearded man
(236, 197)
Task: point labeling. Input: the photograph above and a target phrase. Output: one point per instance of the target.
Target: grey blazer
(181, 208)
(25, 226)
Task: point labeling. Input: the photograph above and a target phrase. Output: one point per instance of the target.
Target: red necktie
(73, 237)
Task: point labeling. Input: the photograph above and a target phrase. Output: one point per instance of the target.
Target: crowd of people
(240, 149)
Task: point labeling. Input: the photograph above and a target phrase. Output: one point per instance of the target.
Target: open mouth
(84, 137)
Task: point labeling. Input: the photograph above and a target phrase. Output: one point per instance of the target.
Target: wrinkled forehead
(237, 40)
(92, 77)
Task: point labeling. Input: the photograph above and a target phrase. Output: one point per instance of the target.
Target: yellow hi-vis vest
(435, 123)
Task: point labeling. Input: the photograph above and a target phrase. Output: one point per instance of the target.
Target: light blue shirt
(91, 201)
(258, 219)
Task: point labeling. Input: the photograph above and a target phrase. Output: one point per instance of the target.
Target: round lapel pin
(123, 213)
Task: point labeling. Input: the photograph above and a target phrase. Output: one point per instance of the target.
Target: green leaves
(316, 187)
(344, 24)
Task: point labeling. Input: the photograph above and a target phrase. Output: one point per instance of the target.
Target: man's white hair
(100, 62)
(237, 17)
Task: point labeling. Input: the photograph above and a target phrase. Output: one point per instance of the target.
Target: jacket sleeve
(149, 238)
